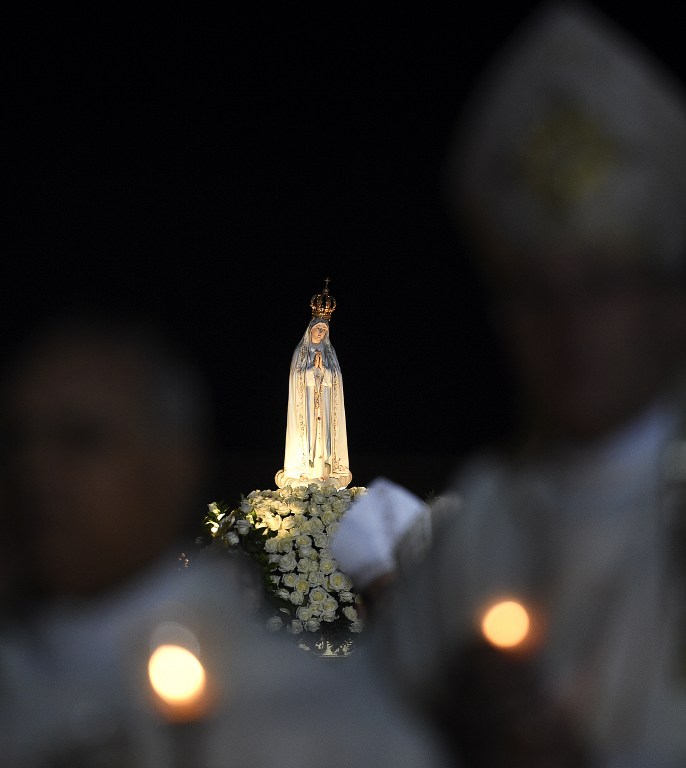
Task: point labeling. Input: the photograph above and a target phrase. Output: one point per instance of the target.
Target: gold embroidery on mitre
(566, 156)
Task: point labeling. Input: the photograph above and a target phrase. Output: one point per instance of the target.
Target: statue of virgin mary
(316, 435)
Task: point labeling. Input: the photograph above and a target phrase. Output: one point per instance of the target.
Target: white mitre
(367, 539)
(576, 135)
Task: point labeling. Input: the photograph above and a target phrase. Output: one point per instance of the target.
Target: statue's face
(318, 332)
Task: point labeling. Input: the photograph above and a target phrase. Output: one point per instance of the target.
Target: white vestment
(75, 687)
(585, 539)
(385, 519)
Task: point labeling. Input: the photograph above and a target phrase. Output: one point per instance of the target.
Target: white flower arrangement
(287, 532)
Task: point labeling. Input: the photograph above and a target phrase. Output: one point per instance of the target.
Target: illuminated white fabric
(316, 433)
(584, 537)
(367, 538)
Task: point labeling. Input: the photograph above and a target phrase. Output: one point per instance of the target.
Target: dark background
(215, 171)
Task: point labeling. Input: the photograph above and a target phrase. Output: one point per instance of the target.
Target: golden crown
(323, 304)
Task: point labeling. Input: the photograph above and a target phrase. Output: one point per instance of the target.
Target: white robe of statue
(316, 435)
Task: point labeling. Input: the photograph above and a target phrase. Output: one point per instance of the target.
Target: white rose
(281, 508)
(287, 562)
(282, 593)
(312, 625)
(356, 626)
(339, 581)
(321, 540)
(340, 505)
(304, 613)
(329, 605)
(329, 616)
(305, 565)
(296, 627)
(327, 564)
(289, 580)
(232, 538)
(242, 526)
(318, 596)
(274, 623)
(296, 597)
(315, 577)
(306, 525)
(299, 492)
(345, 596)
(271, 545)
(350, 613)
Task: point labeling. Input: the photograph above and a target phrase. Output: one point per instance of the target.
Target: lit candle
(506, 624)
(182, 691)
(178, 679)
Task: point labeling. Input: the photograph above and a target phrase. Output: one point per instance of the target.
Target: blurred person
(289, 708)
(104, 424)
(262, 701)
(104, 441)
(11, 566)
(568, 179)
(104, 434)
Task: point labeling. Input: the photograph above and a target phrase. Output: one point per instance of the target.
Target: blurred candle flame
(506, 624)
(178, 678)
